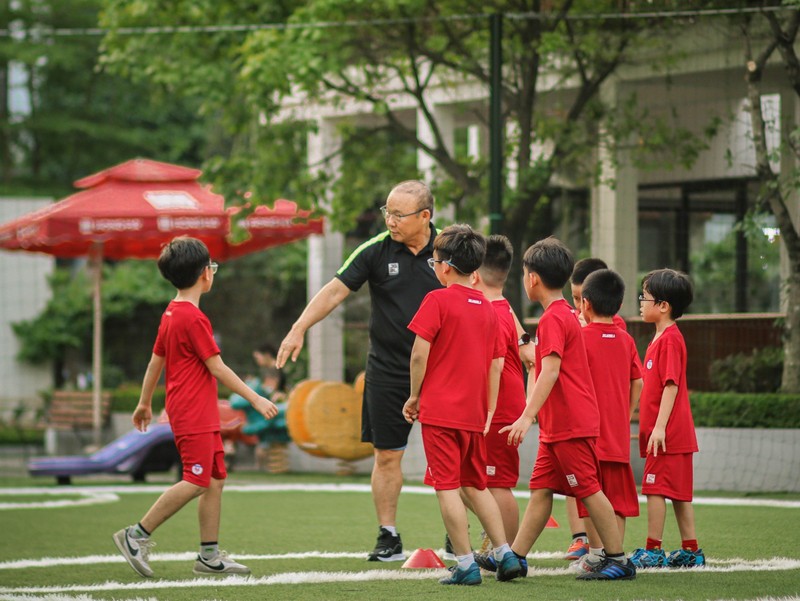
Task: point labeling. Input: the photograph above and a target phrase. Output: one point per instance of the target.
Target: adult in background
(395, 264)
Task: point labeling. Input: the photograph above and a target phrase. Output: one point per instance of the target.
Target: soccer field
(306, 537)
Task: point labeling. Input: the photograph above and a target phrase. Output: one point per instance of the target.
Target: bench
(74, 410)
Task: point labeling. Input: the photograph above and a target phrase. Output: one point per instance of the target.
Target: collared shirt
(398, 281)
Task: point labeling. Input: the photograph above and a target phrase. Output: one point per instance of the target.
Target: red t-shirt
(613, 363)
(185, 340)
(570, 410)
(511, 398)
(620, 323)
(665, 361)
(462, 328)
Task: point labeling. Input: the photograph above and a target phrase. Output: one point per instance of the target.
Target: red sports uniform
(613, 363)
(570, 411)
(502, 467)
(185, 340)
(670, 473)
(461, 327)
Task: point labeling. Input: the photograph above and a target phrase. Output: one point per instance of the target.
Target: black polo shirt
(398, 281)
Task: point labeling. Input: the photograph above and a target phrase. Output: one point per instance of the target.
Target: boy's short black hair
(605, 289)
(183, 260)
(671, 286)
(551, 260)
(461, 246)
(497, 262)
(584, 267)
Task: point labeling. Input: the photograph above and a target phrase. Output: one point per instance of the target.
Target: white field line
(336, 488)
(338, 577)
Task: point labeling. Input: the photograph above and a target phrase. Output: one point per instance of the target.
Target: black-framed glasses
(642, 299)
(213, 267)
(397, 217)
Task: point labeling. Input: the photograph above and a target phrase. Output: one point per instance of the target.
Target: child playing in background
(563, 400)
(617, 378)
(455, 367)
(667, 437)
(185, 346)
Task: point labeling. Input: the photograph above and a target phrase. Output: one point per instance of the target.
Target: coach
(395, 263)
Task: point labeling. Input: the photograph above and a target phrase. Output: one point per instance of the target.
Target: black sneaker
(387, 547)
(449, 554)
(611, 569)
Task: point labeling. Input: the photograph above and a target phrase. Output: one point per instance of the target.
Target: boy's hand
(658, 437)
(142, 416)
(488, 425)
(518, 430)
(411, 409)
(265, 407)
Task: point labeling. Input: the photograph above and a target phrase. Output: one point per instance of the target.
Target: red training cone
(423, 558)
(551, 523)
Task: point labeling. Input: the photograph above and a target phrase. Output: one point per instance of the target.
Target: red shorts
(620, 488)
(203, 457)
(502, 459)
(569, 467)
(670, 476)
(455, 458)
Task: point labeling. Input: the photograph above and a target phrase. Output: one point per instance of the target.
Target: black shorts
(382, 421)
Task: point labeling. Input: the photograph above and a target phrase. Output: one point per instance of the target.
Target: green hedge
(744, 410)
(125, 398)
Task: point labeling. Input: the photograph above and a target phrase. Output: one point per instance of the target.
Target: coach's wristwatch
(524, 339)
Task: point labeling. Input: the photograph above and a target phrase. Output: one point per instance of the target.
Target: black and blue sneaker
(611, 569)
(509, 567)
(485, 561)
(469, 577)
(684, 558)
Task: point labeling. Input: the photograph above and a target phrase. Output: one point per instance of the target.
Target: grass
(265, 523)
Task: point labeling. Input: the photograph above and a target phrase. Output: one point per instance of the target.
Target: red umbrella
(130, 210)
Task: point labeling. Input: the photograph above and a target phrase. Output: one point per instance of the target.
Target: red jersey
(613, 363)
(570, 410)
(665, 361)
(185, 340)
(620, 323)
(511, 398)
(461, 327)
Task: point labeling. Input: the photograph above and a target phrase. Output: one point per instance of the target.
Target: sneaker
(136, 551)
(509, 567)
(587, 563)
(683, 558)
(469, 577)
(486, 543)
(485, 561)
(649, 558)
(387, 547)
(576, 550)
(219, 564)
(611, 569)
(449, 555)
(523, 564)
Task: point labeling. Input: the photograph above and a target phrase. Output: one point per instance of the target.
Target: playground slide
(135, 453)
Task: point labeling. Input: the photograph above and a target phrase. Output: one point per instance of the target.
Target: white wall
(23, 294)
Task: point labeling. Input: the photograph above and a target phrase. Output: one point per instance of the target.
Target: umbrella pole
(96, 258)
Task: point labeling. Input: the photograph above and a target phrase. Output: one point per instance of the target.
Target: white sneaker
(587, 563)
(136, 551)
(220, 564)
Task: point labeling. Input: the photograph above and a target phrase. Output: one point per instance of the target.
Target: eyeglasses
(432, 262)
(397, 217)
(213, 267)
(642, 299)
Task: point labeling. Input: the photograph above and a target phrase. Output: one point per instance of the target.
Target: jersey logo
(474, 301)
(491, 470)
(650, 479)
(394, 268)
(197, 469)
(572, 480)
(607, 335)
(649, 364)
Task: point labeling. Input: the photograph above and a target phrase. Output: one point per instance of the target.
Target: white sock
(465, 561)
(596, 551)
(392, 529)
(500, 551)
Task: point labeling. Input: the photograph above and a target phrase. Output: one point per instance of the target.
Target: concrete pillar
(615, 214)
(445, 123)
(325, 340)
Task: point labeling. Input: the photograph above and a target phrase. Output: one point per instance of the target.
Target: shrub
(736, 410)
(759, 371)
(125, 398)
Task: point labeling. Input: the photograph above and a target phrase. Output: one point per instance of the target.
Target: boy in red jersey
(563, 400)
(667, 437)
(455, 366)
(185, 346)
(617, 378)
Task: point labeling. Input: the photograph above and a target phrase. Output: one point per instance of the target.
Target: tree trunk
(791, 346)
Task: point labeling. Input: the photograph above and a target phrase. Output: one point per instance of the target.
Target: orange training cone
(423, 558)
(551, 523)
